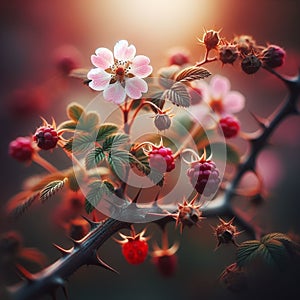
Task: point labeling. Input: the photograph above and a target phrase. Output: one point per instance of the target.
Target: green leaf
(119, 160)
(51, 188)
(98, 189)
(73, 180)
(270, 251)
(166, 76)
(94, 157)
(106, 130)
(246, 252)
(69, 145)
(115, 141)
(88, 122)
(192, 73)
(69, 125)
(156, 177)
(18, 205)
(74, 111)
(81, 142)
(178, 95)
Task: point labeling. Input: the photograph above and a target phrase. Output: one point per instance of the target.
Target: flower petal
(124, 52)
(219, 86)
(115, 93)
(233, 102)
(135, 86)
(103, 58)
(100, 79)
(140, 66)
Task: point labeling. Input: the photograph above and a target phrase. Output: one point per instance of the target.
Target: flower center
(216, 105)
(120, 71)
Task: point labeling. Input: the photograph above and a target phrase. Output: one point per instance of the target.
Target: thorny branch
(84, 252)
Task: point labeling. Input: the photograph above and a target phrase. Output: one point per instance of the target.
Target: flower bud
(228, 54)
(162, 121)
(211, 39)
(179, 57)
(251, 64)
(273, 56)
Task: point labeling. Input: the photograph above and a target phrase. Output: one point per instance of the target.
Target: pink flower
(219, 96)
(120, 73)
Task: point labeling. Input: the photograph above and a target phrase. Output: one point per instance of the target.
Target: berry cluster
(252, 56)
(21, 149)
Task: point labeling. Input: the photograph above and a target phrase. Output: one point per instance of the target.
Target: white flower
(120, 73)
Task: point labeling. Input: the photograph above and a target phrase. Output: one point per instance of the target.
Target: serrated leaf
(115, 141)
(97, 190)
(178, 95)
(79, 73)
(192, 73)
(119, 160)
(94, 157)
(69, 145)
(18, 205)
(269, 251)
(69, 125)
(81, 142)
(51, 188)
(88, 122)
(74, 111)
(246, 252)
(106, 130)
(166, 76)
(156, 177)
(47, 179)
(158, 100)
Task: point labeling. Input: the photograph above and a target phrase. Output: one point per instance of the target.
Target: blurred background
(36, 39)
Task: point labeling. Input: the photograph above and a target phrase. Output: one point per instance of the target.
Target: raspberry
(251, 64)
(273, 56)
(230, 126)
(21, 149)
(204, 176)
(161, 159)
(179, 57)
(46, 137)
(134, 247)
(135, 252)
(245, 44)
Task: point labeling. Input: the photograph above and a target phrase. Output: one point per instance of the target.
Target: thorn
(92, 223)
(97, 261)
(75, 242)
(262, 122)
(62, 250)
(24, 274)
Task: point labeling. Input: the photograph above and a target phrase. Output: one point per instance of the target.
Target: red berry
(21, 149)
(230, 126)
(134, 247)
(135, 251)
(166, 264)
(161, 159)
(46, 137)
(204, 176)
(179, 57)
